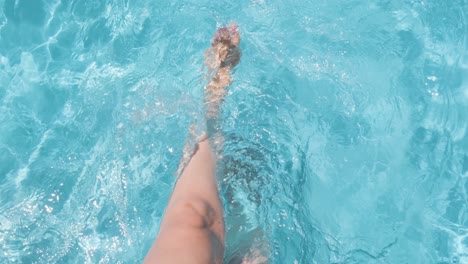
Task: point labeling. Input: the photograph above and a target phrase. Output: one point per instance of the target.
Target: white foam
(29, 68)
(24, 171)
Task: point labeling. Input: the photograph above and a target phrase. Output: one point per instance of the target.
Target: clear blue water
(345, 127)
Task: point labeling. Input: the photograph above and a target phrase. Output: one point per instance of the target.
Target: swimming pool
(345, 127)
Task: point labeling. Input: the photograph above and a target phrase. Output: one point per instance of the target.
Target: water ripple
(345, 128)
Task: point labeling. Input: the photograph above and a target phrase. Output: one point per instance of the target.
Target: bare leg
(223, 55)
(221, 58)
(192, 230)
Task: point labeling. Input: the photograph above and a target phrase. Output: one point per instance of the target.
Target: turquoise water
(345, 127)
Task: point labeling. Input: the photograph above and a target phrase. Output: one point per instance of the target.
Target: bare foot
(226, 46)
(224, 51)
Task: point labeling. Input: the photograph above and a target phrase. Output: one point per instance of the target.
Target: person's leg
(223, 55)
(192, 229)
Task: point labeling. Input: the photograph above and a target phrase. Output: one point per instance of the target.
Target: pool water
(345, 127)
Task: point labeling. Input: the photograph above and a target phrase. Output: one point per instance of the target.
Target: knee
(194, 213)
